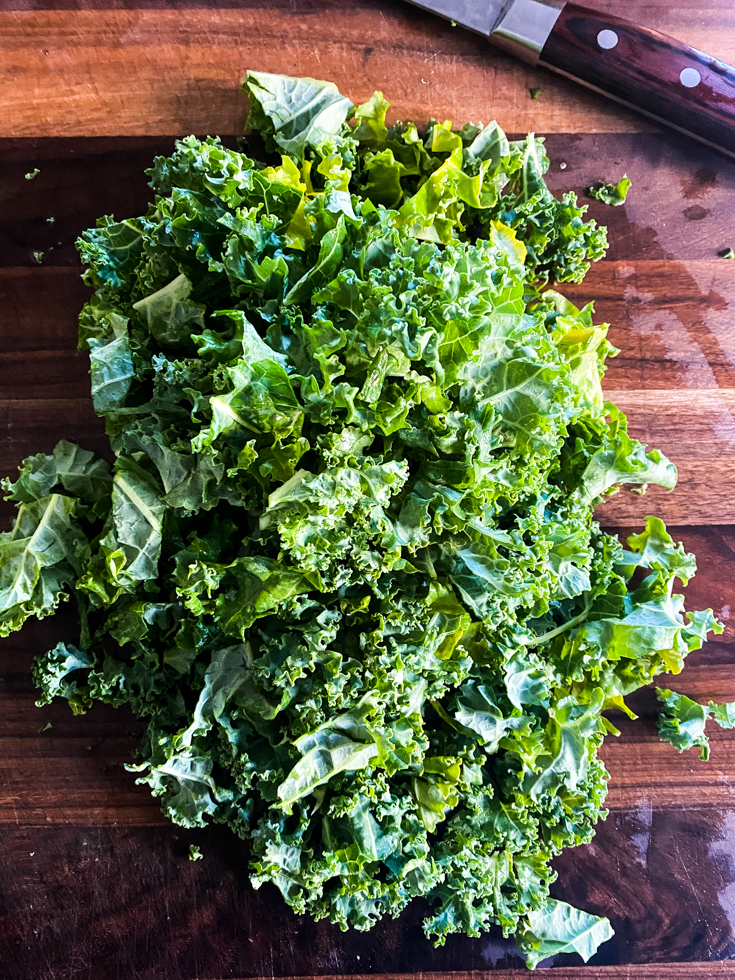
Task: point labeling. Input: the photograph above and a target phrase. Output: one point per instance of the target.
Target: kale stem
(85, 637)
(560, 629)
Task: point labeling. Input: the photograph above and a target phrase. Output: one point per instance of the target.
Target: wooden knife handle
(646, 71)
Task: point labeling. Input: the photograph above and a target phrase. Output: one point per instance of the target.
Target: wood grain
(110, 902)
(73, 773)
(695, 428)
(168, 71)
(669, 971)
(46, 400)
(95, 72)
(672, 322)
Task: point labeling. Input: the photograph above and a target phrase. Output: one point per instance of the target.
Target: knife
(642, 69)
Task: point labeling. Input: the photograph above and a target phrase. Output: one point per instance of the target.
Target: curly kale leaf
(682, 721)
(614, 194)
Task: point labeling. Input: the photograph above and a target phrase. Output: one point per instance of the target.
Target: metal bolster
(524, 27)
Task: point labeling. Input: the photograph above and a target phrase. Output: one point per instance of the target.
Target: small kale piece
(682, 721)
(614, 194)
(560, 928)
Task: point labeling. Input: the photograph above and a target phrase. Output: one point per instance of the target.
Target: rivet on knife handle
(664, 79)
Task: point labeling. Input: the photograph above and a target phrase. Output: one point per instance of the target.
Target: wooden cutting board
(93, 881)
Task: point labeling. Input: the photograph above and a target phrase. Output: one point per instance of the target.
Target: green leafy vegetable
(296, 112)
(345, 564)
(560, 928)
(614, 194)
(39, 558)
(682, 721)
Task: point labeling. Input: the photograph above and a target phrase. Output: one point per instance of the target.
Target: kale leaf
(614, 194)
(682, 721)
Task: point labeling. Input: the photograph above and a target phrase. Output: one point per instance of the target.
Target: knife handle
(647, 71)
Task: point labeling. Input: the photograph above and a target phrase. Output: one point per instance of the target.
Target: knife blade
(661, 78)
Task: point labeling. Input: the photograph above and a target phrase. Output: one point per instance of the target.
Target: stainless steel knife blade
(520, 26)
(476, 15)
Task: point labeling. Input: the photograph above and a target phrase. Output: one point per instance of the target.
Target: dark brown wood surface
(94, 883)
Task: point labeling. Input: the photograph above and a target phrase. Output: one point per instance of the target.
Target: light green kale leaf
(614, 194)
(39, 559)
(560, 928)
(682, 721)
(295, 112)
